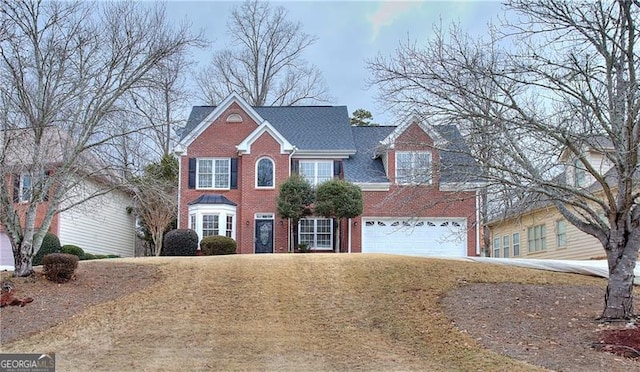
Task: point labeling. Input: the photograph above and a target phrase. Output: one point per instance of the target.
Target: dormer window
(413, 167)
(234, 118)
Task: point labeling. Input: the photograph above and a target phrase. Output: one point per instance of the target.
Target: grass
(285, 312)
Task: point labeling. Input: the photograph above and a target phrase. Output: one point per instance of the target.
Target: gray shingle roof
(306, 127)
(456, 165)
(362, 167)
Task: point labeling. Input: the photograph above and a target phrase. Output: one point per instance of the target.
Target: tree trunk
(22, 260)
(622, 257)
(157, 242)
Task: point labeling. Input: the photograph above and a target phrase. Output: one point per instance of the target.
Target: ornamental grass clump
(60, 267)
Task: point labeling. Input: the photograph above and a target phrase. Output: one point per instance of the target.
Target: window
(213, 173)
(229, 232)
(580, 173)
(537, 238)
(26, 184)
(316, 172)
(496, 247)
(316, 233)
(516, 244)
(561, 233)
(505, 246)
(413, 167)
(210, 225)
(264, 173)
(192, 222)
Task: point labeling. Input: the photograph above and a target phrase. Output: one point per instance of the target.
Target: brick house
(101, 225)
(417, 195)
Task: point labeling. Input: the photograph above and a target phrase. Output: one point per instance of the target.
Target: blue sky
(349, 33)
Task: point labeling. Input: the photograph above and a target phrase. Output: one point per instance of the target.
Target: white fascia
(377, 186)
(245, 146)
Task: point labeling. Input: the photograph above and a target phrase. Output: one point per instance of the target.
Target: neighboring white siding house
(100, 225)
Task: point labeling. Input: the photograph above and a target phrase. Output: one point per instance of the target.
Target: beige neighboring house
(538, 230)
(101, 225)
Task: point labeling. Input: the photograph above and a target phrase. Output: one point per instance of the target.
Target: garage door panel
(422, 237)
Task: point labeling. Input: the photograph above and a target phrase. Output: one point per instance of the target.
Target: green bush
(88, 256)
(73, 249)
(180, 242)
(60, 267)
(217, 245)
(50, 244)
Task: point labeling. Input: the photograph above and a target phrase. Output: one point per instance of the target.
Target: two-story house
(101, 225)
(538, 230)
(418, 198)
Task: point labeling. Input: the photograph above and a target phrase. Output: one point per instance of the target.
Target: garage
(416, 237)
(6, 254)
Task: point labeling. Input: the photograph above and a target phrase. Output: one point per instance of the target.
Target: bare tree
(559, 79)
(64, 69)
(265, 64)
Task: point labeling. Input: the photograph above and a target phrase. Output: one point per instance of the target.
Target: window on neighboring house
(537, 238)
(561, 233)
(229, 232)
(213, 173)
(516, 244)
(413, 167)
(316, 171)
(264, 173)
(496, 246)
(505, 246)
(209, 224)
(580, 173)
(26, 183)
(316, 233)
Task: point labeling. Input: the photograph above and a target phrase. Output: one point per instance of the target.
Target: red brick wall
(40, 211)
(220, 140)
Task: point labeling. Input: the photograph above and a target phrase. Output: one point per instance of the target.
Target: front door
(264, 236)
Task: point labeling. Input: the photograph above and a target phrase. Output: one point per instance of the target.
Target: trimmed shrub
(217, 245)
(88, 256)
(60, 267)
(50, 244)
(180, 242)
(73, 249)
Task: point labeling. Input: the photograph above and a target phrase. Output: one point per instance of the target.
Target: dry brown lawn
(283, 312)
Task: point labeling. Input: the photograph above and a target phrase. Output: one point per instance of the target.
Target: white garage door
(416, 237)
(6, 254)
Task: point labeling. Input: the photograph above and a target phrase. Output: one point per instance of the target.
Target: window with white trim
(316, 233)
(316, 171)
(516, 244)
(496, 246)
(413, 167)
(580, 173)
(561, 233)
(26, 184)
(505, 246)
(265, 172)
(213, 173)
(537, 238)
(210, 224)
(192, 221)
(229, 231)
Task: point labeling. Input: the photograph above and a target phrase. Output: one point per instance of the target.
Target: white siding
(100, 225)
(6, 253)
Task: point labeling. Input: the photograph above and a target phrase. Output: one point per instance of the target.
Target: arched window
(265, 173)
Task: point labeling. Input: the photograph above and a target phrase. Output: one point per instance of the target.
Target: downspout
(478, 227)
(179, 155)
(349, 237)
(289, 248)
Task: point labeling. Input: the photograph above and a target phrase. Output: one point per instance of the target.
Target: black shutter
(16, 188)
(44, 180)
(192, 173)
(337, 169)
(234, 173)
(295, 166)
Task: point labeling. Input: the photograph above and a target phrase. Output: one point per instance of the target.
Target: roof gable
(245, 146)
(390, 140)
(202, 117)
